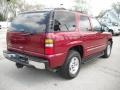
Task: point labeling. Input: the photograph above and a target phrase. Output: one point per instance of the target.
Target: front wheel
(71, 67)
(107, 51)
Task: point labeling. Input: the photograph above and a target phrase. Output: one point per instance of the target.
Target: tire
(18, 65)
(71, 67)
(107, 51)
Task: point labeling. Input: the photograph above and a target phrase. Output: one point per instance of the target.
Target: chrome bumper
(26, 60)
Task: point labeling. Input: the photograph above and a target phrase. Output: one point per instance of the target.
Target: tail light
(49, 46)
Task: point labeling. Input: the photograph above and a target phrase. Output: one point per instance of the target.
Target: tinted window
(64, 21)
(84, 23)
(95, 24)
(30, 22)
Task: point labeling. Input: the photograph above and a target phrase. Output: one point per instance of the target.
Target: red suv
(56, 39)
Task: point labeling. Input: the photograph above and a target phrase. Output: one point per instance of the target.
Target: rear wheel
(107, 51)
(71, 67)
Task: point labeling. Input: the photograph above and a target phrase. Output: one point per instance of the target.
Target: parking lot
(100, 74)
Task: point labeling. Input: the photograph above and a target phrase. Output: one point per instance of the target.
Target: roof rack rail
(55, 9)
(59, 8)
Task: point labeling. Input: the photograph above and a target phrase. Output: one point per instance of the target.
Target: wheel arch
(78, 48)
(110, 40)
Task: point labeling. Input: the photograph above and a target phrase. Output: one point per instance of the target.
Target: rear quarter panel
(63, 41)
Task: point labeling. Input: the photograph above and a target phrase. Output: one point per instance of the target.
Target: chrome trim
(57, 54)
(95, 48)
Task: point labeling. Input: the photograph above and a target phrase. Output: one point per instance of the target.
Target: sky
(98, 5)
(95, 6)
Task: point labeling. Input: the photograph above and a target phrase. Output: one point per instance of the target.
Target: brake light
(48, 46)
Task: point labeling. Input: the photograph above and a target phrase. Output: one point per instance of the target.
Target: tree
(81, 5)
(1, 17)
(7, 6)
(12, 7)
(116, 7)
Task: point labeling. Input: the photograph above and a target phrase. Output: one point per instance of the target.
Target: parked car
(57, 39)
(115, 30)
(4, 24)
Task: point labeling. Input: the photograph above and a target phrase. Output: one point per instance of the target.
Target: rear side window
(64, 21)
(84, 24)
(30, 22)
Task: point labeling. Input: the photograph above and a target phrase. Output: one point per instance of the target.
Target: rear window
(30, 22)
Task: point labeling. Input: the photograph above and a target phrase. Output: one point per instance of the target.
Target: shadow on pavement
(32, 76)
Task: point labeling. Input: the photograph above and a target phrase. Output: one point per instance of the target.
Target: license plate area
(22, 58)
(31, 61)
(26, 60)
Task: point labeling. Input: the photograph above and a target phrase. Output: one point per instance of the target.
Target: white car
(4, 24)
(115, 30)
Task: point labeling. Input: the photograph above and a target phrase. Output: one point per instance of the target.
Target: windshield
(30, 22)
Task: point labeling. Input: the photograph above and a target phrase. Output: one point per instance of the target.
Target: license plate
(23, 59)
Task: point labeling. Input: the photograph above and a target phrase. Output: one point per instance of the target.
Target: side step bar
(92, 57)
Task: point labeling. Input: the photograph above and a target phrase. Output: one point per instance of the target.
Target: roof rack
(60, 9)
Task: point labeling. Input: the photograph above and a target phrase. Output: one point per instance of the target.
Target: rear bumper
(25, 60)
(50, 61)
